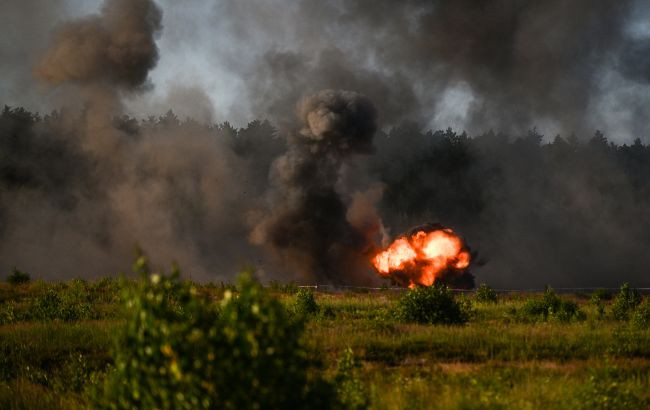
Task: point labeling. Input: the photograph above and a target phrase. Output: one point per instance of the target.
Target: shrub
(180, 351)
(18, 277)
(625, 302)
(641, 316)
(551, 306)
(485, 294)
(304, 303)
(430, 305)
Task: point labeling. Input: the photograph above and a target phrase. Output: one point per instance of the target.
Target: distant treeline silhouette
(568, 211)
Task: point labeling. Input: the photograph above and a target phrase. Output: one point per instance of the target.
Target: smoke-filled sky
(344, 163)
(505, 65)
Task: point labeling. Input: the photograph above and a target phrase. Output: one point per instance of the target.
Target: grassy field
(56, 342)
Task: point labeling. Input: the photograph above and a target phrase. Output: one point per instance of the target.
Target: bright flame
(423, 256)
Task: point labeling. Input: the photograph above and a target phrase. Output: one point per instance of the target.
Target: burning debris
(426, 255)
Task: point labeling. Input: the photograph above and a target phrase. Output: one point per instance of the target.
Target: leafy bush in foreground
(486, 294)
(18, 277)
(180, 351)
(305, 303)
(431, 305)
(551, 306)
(625, 302)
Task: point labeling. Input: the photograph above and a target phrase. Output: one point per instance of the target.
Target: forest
(561, 210)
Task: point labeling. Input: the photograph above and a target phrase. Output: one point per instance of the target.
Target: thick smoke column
(309, 225)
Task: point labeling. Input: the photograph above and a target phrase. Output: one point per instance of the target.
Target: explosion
(425, 255)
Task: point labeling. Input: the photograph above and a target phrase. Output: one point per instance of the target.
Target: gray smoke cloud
(515, 63)
(166, 185)
(116, 47)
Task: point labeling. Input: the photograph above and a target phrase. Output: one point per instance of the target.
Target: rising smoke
(312, 199)
(513, 64)
(307, 224)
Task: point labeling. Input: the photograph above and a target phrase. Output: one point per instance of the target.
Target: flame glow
(421, 257)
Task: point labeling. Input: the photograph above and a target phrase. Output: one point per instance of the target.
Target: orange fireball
(423, 256)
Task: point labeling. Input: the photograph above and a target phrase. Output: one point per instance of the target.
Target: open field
(498, 359)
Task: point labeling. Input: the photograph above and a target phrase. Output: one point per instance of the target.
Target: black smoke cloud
(307, 224)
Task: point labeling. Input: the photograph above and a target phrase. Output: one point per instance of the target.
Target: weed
(625, 302)
(304, 303)
(641, 315)
(551, 306)
(608, 394)
(349, 387)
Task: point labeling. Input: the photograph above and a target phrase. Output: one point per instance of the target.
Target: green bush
(181, 351)
(304, 303)
(431, 305)
(18, 277)
(625, 302)
(485, 294)
(641, 315)
(551, 306)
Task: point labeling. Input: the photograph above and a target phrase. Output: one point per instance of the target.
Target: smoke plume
(307, 225)
(115, 48)
(312, 193)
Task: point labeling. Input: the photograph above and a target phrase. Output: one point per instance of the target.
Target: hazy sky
(212, 51)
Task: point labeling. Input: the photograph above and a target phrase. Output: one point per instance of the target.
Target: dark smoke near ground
(348, 166)
(308, 223)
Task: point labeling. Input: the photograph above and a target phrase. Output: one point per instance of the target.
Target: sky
(213, 56)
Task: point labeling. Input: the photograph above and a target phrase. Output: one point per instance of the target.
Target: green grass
(496, 360)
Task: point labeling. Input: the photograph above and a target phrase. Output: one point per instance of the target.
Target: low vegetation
(550, 307)
(431, 305)
(485, 294)
(160, 342)
(304, 303)
(18, 277)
